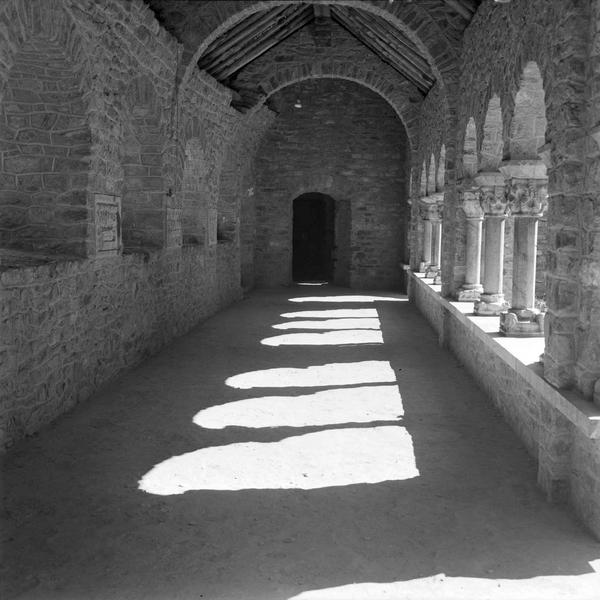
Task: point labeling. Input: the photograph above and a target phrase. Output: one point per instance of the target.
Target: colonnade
(517, 191)
(431, 210)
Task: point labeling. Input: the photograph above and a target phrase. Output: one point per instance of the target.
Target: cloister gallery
(425, 168)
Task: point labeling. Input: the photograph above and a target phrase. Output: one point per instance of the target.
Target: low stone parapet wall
(560, 429)
(68, 327)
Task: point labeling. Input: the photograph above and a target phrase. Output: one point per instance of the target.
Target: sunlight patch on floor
(331, 324)
(348, 299)
(575, 587)
(334, 313)
(332, 374)
(363, 404)
(334, 457)
(329, 338)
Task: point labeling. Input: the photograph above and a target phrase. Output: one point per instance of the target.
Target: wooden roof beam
(247, 55)
(235, 38)
(422, 81)
(408, 51)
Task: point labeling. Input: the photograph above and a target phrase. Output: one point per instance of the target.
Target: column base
(432, 271)
(490, 305)
(522, 322)
(469, 293)
(423, 266)
(437, 280)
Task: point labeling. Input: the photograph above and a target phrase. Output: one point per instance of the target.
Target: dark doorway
(313, 238)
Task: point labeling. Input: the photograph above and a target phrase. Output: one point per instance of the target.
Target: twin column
(495, 205)
(431, 208)
(519, 189)
(527, 193)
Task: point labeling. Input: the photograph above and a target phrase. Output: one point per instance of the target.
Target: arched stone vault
(214, 20)
(398, 100)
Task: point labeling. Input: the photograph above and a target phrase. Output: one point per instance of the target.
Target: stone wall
(330, 51)
(345, 142)
(92, 119)
(237, 189)
(68, 327)
(560, 433)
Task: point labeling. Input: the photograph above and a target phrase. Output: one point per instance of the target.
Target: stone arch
(528, 124)
(398, 99)
(440, 178)
(143, 201)
(490, 154)
(46, 139)
(407, 17)
(469, 156)
(527, 133)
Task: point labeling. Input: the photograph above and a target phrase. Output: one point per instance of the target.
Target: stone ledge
(514, 352)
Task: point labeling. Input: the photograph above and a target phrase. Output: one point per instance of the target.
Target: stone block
(55, 182)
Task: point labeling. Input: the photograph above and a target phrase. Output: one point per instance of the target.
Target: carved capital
(494, 201)
(471, 204)
(436, 211)
(431, 207)
(527, 197)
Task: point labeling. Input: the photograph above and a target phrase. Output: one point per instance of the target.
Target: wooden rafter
(394, 38)
(239, 34)
(247, 54)
(257, 34)
(383, 49)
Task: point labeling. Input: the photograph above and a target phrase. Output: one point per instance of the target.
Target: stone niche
(108, 224)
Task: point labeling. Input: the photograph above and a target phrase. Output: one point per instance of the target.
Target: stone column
(527, 191)
(436, 209)
(426, 249)
(472, 288)
(494, 203)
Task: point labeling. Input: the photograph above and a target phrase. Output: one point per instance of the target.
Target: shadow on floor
(78, 526)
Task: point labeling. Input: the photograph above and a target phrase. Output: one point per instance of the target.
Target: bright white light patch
(336, 313)
(347, 405)
(331, 324)
(352, 373)
(329, 338)
(573, 587)
(348, 299)
(315, 460)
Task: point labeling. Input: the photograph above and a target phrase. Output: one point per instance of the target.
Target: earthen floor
(347, 468)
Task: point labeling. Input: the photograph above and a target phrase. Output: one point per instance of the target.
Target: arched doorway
(313, 237)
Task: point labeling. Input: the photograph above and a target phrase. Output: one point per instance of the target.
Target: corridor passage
(306, 443)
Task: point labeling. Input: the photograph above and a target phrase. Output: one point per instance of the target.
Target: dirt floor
(284, 451)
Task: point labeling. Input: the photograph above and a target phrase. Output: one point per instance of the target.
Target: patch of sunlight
(312, 283)
(574, 587)
(329, 338)
(316, 460)
(335, 313)
(347, 405)
(526, 350)
(331, 324)
(348, 299)
(352, 373)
